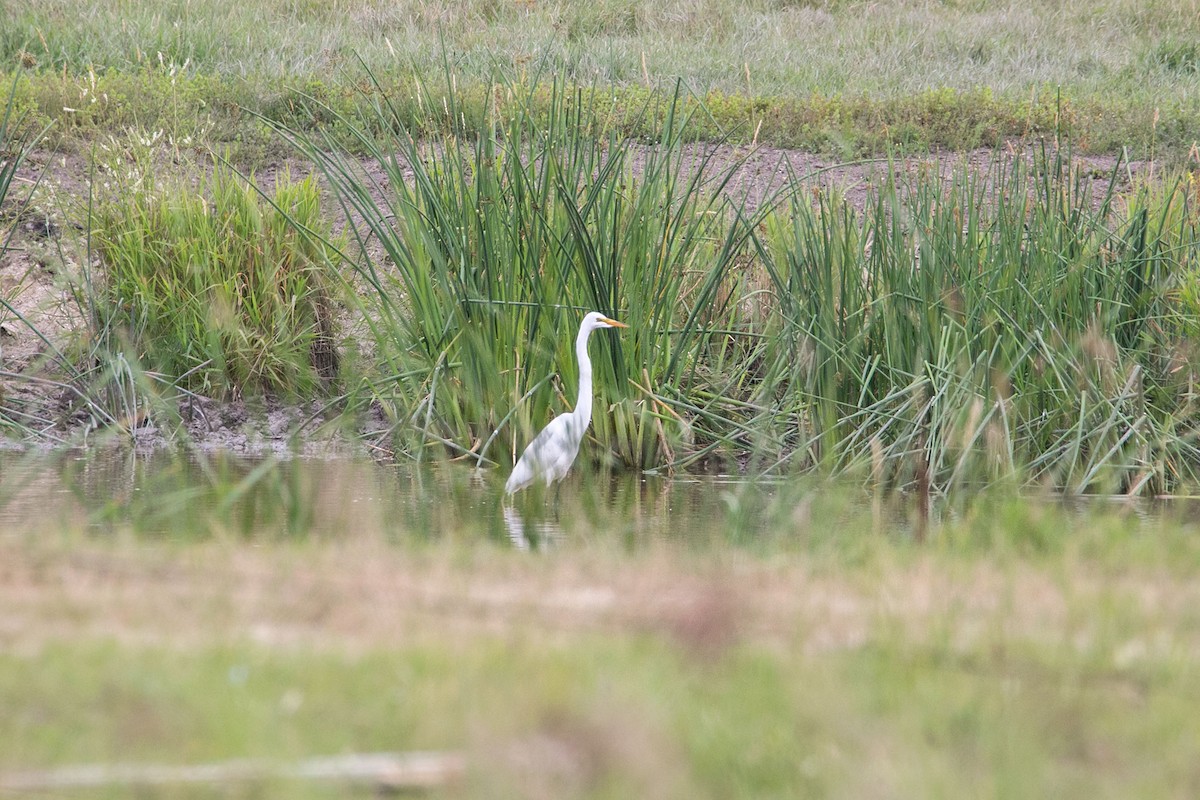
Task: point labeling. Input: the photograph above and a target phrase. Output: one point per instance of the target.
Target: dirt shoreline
(37, 272)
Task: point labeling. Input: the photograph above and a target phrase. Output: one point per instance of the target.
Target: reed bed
(1003, 325)
(1010, 324)
(491, 249)
(17, 141)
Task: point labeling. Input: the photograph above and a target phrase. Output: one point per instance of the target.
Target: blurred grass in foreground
(672, 639)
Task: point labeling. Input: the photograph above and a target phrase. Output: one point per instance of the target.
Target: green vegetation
(17, 141)
(1003, 325)
(15, 147)
(847, 77)
(219, 113)
(737, 640)
(897, 601)
(217, 288)
(627, 716)
(496, 247)
(1007, 322)
(840, 47)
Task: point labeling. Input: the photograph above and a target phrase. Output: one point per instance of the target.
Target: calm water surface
(170, 495)
(166, 495)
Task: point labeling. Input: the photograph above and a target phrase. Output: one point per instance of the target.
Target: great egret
(550, 455)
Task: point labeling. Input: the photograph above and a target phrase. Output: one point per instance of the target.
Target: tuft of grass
(221, 291)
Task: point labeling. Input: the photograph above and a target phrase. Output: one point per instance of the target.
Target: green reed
(483, 253)
(1009, 324)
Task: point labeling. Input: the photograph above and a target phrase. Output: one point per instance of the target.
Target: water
(171, 496)
(166, 495)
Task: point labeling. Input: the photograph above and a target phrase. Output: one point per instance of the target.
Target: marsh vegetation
(873, 498)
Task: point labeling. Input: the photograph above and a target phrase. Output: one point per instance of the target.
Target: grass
(757, 724)
(1004, 325)
(842, 77)
(791, 638)
(1012, 323)
(1000, 327)
(495, 249)
(216, 287)
(17, 142)
(178, 287)
(1024, 646)
(774, 48)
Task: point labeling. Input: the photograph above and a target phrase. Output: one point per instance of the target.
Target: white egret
(550, 455)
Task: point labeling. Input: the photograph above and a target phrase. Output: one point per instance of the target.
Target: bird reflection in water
(531, 535)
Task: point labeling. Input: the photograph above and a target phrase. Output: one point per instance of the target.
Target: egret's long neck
(583, 406)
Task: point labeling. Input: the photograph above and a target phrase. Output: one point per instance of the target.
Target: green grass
(497, 247)
(999, 327)
(845, 48)
(17, 141)
(1005, 325)
(215, 112)
(216, 287)
(1008, 323)
(633, 716)
(843, 77)
(710, 640)
(1023, 649)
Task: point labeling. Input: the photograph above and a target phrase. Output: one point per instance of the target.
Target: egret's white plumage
(551, 453)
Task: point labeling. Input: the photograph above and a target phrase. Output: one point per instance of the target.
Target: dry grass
(366, 594)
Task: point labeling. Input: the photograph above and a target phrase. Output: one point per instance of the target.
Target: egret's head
(596, 320)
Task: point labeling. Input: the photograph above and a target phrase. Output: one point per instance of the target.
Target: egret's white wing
(549, 455)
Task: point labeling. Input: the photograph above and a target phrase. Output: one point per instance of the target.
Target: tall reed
(484, 253)
(1008, 324)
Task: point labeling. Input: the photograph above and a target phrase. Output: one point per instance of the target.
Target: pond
(194, 495)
